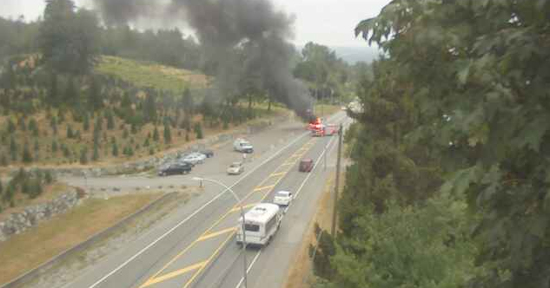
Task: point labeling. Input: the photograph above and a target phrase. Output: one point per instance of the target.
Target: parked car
(306, 165)
(199, 155)
(243, 146)
(235, 168)
(174, 169)
(194, 159)
(283, 198)
(207, 152)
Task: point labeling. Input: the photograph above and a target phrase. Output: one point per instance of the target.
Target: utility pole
(336, 188)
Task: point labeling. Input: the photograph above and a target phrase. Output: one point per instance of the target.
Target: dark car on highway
(174, 169)
(306, 165)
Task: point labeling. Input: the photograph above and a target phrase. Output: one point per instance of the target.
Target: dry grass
(301, 270)
(34, 247)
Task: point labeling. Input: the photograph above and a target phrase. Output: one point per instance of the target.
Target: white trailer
(261, 224)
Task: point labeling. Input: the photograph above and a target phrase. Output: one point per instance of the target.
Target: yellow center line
(208, 231)
(175, 274)
(236, 209)
(278, 174)
(208, 261)
(214, 234)
(264, 188)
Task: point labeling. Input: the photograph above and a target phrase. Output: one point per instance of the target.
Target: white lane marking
(249, 267)
(193, 214)
(296, 196)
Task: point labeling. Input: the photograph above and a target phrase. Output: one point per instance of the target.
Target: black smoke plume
(246, 41)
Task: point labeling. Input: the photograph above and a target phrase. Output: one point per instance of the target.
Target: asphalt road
(194, 247)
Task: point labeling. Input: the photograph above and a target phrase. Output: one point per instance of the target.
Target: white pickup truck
(243, 146)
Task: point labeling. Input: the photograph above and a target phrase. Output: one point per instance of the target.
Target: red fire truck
(318, 128)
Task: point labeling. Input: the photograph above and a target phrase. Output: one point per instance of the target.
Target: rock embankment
(18, 222)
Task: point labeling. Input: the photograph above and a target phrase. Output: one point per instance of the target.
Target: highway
(195, 246)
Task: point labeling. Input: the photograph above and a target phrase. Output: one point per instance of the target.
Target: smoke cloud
(245, 40)
(120, 12)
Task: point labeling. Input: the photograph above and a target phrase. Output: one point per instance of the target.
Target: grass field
(146, 74)
(32, 248)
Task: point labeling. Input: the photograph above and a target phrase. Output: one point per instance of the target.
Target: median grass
(28, 250)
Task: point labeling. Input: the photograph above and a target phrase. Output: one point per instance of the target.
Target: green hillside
(149, 74)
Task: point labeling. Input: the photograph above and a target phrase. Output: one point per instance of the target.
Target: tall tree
(68, 39)
(150, 108)
(187, 102)
(95, 96)
(478, 75)
(167, 134)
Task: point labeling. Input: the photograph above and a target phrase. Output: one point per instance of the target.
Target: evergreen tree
(150, 108)
(35, 188)
(54, 146)
(110, 120)
(22, 125)
(95, 156)
(11, 126)
(36, 150)
(146, 143)
(13, 149)
(133, 128)
(98, 124)
(4, 160)
(95, 98)
(60, 115)
(156, 136)
(25, 186)
(33, 126)
(26, 157)
(84, 156)
(70, 133)
(66, 151)
(188, 103)
(71, 96)
(167, 134)
(48, 178)
(53, 124)
(198, 130)
(86, 122)
(53, 90)
(115, 149)
(68, 39)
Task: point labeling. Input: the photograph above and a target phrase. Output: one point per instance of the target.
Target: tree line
(449, 185)
(166, 46)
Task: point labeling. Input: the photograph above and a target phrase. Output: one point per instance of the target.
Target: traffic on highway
(201, 244)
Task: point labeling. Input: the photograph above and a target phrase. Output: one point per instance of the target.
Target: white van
(261, 224)
(243, 146)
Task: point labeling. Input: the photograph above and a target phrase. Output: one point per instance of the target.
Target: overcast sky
(327, 22)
